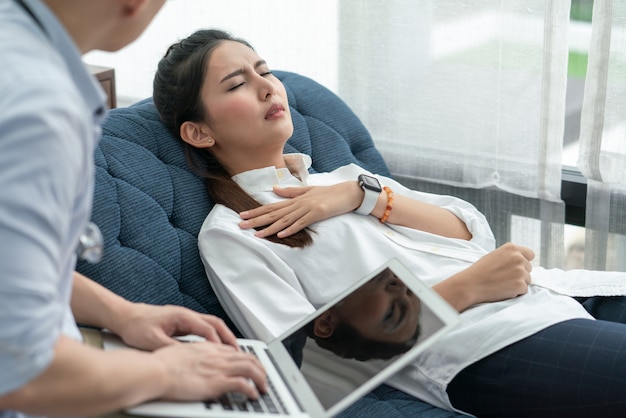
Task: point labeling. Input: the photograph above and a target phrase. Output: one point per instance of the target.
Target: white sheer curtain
(461, 96)
(602, 152)
(469, 94)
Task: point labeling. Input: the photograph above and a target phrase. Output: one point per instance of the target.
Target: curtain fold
(602, 152)
(467, 94)
(461, 96)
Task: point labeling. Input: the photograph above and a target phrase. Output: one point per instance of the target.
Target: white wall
(271, 26)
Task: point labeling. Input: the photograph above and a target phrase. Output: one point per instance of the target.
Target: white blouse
(266, 287)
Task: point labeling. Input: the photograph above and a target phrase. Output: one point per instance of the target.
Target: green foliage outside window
(581, 10)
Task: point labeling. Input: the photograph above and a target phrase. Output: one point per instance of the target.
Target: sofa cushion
(150, 206)
(388, 402)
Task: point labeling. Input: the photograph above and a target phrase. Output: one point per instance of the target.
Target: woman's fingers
(303, 207)
(289, 220)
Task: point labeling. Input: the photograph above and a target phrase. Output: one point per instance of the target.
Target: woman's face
(247, 109)
(383, 310)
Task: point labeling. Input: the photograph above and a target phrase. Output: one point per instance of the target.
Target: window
(574, 187)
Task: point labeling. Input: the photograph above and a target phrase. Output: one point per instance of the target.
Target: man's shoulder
(22, 72)
(33, 87)
(29, 60)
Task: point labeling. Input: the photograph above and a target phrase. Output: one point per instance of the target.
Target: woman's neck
(254, 164)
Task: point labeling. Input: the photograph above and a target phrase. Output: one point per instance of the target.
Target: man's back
(47, 139)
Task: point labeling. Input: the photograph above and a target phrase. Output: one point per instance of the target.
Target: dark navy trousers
(576, 368)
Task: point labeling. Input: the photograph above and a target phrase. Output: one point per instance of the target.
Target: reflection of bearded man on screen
(378, 321)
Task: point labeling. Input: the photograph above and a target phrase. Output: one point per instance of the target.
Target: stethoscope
(90, 242)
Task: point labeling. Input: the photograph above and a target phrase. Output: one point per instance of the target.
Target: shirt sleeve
(475, 221)
(257, 289)
(38, 172)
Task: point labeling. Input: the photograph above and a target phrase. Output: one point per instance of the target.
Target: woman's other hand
(502, 274)
(303, 207)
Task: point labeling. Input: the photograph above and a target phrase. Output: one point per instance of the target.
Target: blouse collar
(265, 179)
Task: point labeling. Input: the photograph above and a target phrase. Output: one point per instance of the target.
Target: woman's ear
(324, 325)
(196, 134)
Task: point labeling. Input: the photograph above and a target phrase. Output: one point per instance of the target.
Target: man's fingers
(255, 372)
(236, 385)
(218, 331)
(209, 327)
(246, 367)
(206, 370)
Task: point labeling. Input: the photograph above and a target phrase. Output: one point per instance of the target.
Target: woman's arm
(416, 214)
(307, 205)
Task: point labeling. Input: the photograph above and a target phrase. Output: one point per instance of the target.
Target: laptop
(315, 379)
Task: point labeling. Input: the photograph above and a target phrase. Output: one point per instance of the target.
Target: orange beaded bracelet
(385, 216)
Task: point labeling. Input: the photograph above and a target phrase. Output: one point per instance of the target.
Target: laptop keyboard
(268, 403)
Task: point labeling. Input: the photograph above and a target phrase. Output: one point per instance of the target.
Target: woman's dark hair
(347, 342)
(176, 94)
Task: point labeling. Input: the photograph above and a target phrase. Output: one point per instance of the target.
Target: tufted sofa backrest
(150, 206)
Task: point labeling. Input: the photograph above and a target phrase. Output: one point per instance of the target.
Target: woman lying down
(280, 242)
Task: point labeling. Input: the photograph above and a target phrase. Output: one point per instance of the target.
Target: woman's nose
(404, 290)
(266, 89)
(398, 287)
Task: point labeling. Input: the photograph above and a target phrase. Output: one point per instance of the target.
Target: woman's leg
(576, 368)
(607, 308)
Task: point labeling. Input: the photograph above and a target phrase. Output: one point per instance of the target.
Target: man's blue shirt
(50, 114)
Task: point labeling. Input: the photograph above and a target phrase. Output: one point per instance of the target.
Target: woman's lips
(276, 111)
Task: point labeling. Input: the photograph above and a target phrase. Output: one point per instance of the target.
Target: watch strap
(369, 200)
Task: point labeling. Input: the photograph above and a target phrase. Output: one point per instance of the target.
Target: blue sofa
(150, 206)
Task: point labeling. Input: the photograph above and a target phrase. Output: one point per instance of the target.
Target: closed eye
(264, 74)
(236, 87)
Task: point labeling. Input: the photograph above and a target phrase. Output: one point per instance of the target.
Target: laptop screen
(343, 350)
(358, 336)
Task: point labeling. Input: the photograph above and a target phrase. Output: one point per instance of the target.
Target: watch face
(370, 183)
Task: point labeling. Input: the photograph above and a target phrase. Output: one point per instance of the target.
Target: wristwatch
(371, 187)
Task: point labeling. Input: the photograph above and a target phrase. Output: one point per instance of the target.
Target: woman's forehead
(230, 56)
